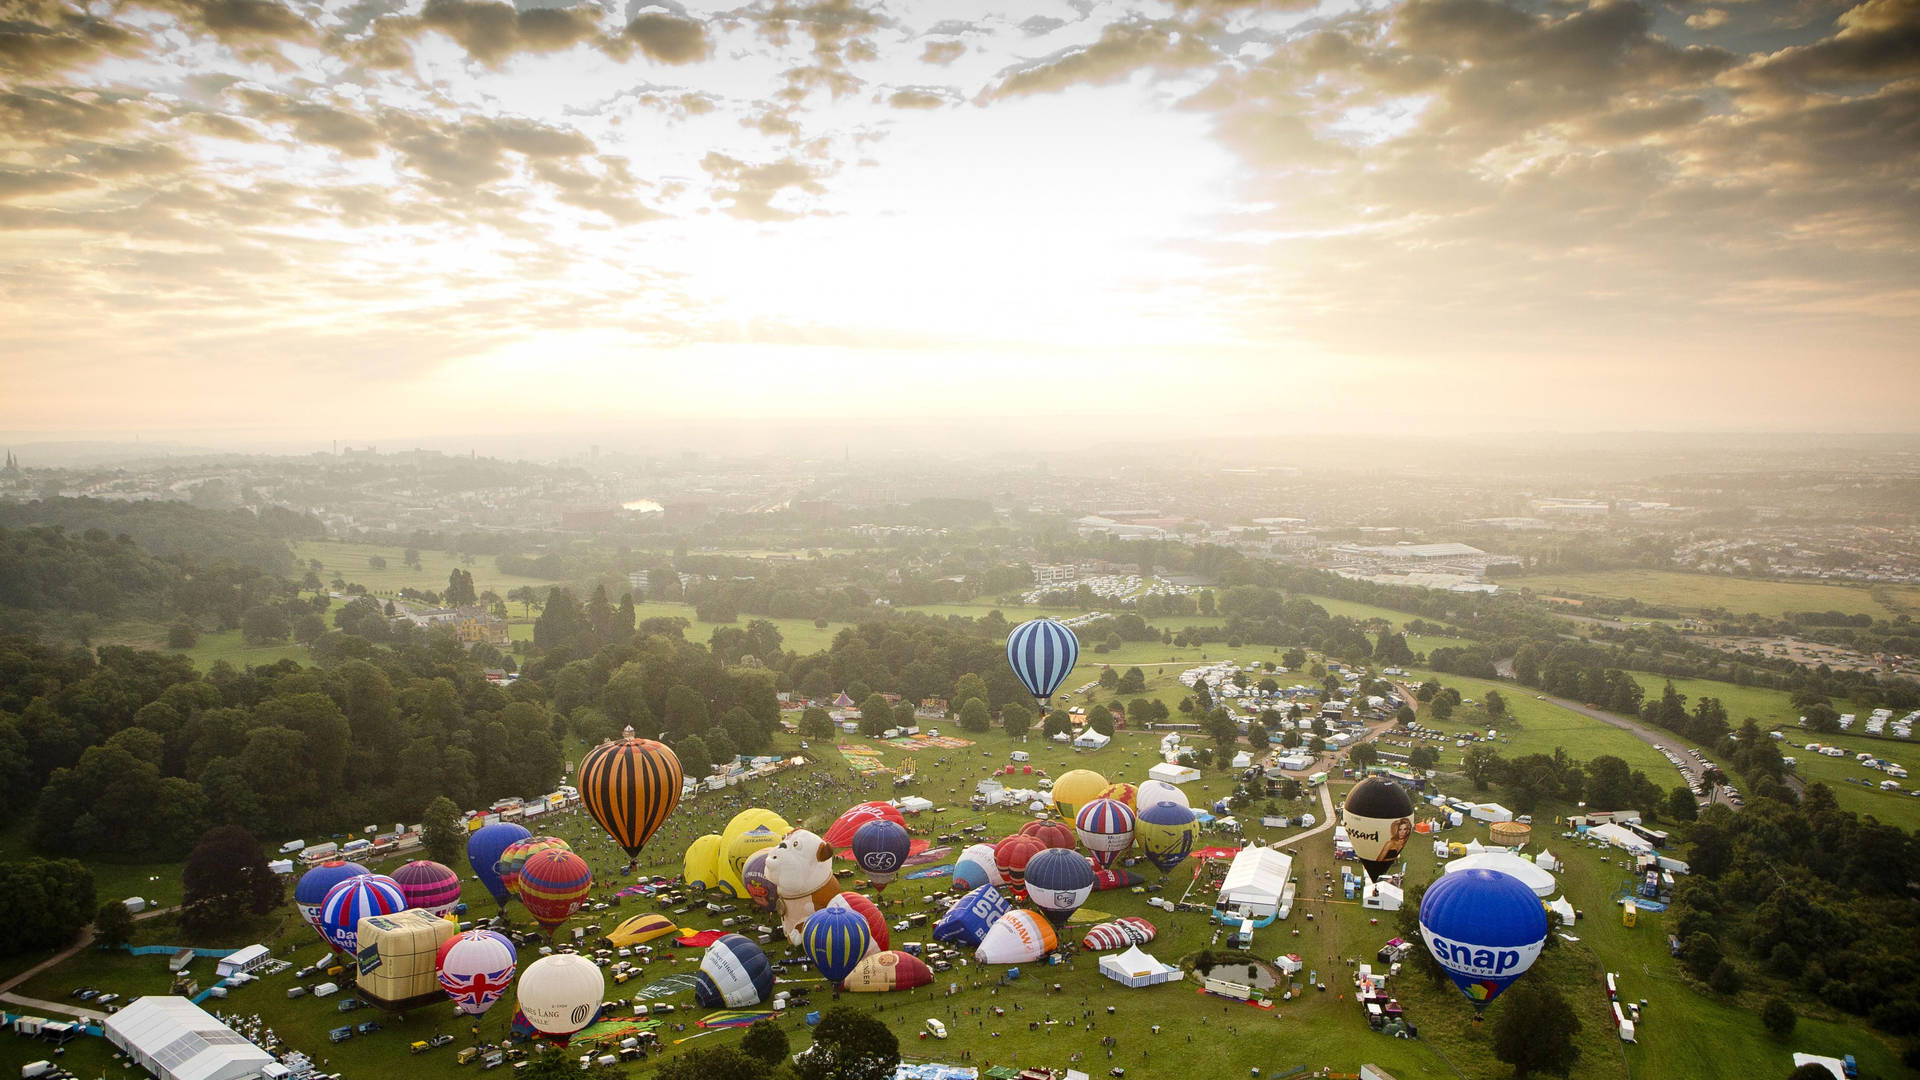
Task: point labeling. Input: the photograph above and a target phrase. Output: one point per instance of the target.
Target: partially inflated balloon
(1010, 857)
(311, 891)
(876, 921)
(967, 922)
(1051, 833)
(1485, 928)
(1105, 879)
(835, 938)
(554, 885)
(1164, 833)
(733, 975)
(517, 854)
(760, 888)
(560, 994)
(883, 971)
(641, 929)
(429, 886)
(841, 834)
(1018, 937)
(701, 870)
(1058, 882)
(1106, 829)
(1042, 652)
(1379, 820)
(881, 849)
(766, 829)
(630, 787)
(975, 868)
(353, 899)
(1119, 934)
(1076, 789)
(484, 849)
(1125, 793)
(475, 969)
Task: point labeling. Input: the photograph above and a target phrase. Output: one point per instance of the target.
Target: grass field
(350, 562)
(1539, 727)
(1687, 1033)
(221, 645)
(1705, 592)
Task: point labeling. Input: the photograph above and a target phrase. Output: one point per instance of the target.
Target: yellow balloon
(702, 870)
(1076, 789)
(734, 850)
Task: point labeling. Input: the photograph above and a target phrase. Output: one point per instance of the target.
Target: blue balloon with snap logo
(1485, 928)
(970, 919)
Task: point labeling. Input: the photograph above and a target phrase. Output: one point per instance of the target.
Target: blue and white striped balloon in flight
(1042, 652)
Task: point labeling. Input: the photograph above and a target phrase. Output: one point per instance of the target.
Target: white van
(1019, 755)
(936, 1029)
(292, 846)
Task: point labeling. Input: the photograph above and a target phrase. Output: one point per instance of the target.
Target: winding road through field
(85, 939)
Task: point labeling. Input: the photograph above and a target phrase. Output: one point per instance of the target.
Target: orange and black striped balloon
(631, 787)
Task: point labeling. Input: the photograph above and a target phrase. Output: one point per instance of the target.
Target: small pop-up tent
(1136, 968)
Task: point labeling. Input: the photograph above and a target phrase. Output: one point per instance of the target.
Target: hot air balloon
(1118, 934)
(1075, 789)
(354, 899)
(883, 971)
(733, 858)
(1125, 793)
(733, 975)
(517, 854)
(1018, 937)
(554, 885)
(311, 891)
(1164, 833)
(1485, 928)
(1041, 653)
(840, 836)
(870, 911)
(396, 954)
(1379, 822)
(1158, 791)
(975, 867)
(1058, 882)
(835, 938)
(484, 849)
(701, 870)
(881, 848)
(630, 787)
(560, 994)
(640, 929)
(760, 887)
(1010, 857)
(1051, 833)
(429, 886)
(475, 968)
(1105, 827)
(967, 922)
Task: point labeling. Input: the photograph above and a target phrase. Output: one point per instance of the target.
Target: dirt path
(85, 940)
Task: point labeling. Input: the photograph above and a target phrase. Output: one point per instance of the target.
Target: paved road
(65, 1009)
(1689, 768)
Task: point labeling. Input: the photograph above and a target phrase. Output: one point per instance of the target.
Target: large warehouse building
(174, 1039)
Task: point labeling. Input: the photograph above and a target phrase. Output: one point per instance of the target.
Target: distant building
(476, 625)
(1054, 573)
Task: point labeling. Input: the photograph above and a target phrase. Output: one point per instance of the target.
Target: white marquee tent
(1136, 968)
(1506, 862)
(1255, 880)
(174, 1039)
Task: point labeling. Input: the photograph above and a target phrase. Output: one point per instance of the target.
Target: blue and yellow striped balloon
(1042, 652)
(836, 938)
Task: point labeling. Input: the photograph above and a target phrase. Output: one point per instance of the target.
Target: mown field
(1706, 592)
(1687, 1033)
(350, 561)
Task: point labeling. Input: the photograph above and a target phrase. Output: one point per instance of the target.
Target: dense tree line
(169, 529)
(43, 903)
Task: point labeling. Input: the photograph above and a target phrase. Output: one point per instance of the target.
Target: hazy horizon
(401, 222)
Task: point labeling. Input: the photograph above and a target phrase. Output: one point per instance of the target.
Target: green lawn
(1540, 727)
(1705, 592)
(350, 562)
(221, 645)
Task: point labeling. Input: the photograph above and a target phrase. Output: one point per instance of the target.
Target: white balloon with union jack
(476, 968)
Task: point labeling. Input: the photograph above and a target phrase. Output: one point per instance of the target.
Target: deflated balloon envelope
(1018, 937)
(968, 921)
(733, 975)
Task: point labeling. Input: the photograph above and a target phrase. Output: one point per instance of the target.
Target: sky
(238, 220)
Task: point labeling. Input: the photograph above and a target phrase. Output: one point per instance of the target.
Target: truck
(320, 852)
(356, 847)
(292, 846)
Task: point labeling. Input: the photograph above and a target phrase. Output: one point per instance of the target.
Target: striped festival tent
(631, 786)
(1042, 652)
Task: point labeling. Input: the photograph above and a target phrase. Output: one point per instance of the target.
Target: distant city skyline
(254, 223)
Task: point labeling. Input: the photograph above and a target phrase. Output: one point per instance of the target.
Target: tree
(876, 714)
(1133, 682)
(695, 760)
(1480, 765)
(1680, 805)
(1700, 953)
(441, 832)
(377, 562)
(816, 723)
(1016, 720)
(1609, 783)
(1441, 707)
(716, 1063)
(970, 686)
(1057, 722)
(43, 903)
(225, 879)
(1100, 719)
(1258, 736)
(1364, 754)
(183, 634)
(113, 924)
(1726, 979)
(1534, 1030)
(1403, 716)
(1526, 664)
(1109, 678)
(1778, 1018)
(850, 1044)
(460, 589)
(411, 557)
(765, 1042)
(974, 716)
(264, 624)
(1423, 757)
(1496, 704)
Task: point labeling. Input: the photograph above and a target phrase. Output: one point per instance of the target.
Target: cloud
(1878, 40)
(61, 38)
(1123, 49)
(943, 52)
(1710, 19)
(471, 154)
(669, 39)
(1037, 25)
(31, 114)
(747, 191)
(318, 124)
(491, 31)
(23, 183)
(836, 26)
(916, 97)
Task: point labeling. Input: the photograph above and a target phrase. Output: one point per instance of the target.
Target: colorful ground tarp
(863, 759)
(943, 742)
(931, 872)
